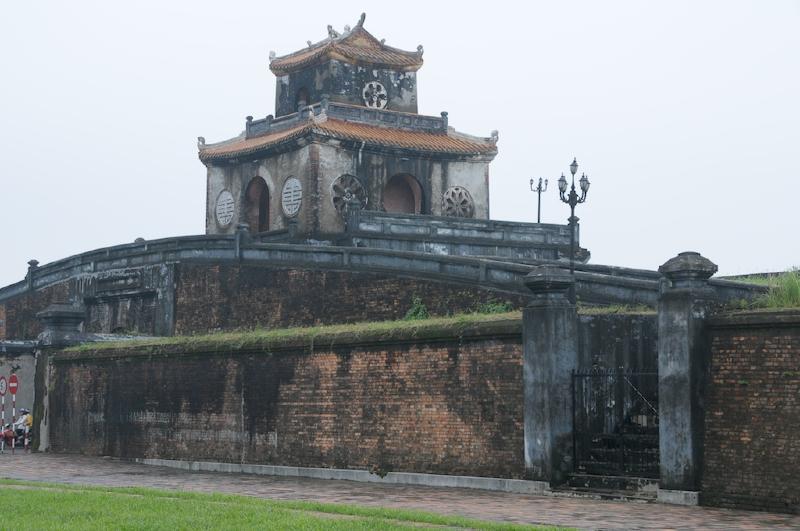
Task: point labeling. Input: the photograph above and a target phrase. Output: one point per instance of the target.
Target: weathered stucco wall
(274, 170)
(344, 83)
(752, 439)
(318, 165)
(18, 359)
(450, 404)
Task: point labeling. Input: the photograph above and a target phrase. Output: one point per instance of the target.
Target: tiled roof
(356, 46)
(372, 135)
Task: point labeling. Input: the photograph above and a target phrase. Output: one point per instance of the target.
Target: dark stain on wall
(450, 406)
(224, 297)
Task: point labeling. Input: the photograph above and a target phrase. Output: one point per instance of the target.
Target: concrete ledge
(678, 497)
(392, 478)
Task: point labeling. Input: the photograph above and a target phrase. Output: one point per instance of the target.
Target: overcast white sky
(684, 114)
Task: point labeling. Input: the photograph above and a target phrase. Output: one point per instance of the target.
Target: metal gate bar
(615, 422)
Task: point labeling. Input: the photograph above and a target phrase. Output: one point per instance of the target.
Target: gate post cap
(688, 266)
(60, 316)
(548, 280)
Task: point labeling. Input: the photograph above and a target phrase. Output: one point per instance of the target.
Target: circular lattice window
(224, 208)
(375, 95)
(347, 189)
(457, 202)
(291, 196)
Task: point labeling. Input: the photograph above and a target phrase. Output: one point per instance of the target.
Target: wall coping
(18, 347)
(405, 333)
(768, 318)
(634, 286)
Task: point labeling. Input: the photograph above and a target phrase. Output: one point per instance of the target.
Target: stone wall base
(678, 497)
(392, 478)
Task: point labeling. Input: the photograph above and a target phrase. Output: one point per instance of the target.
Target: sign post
(3, 389)
(13, 386)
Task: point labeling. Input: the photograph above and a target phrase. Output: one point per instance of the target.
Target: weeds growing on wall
(323, 334)
(493, 306)
(784, 292)
(417, 311)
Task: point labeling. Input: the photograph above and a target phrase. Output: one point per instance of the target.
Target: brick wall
(450, 404)
(20, 312)
(752, 441)
(223, 297)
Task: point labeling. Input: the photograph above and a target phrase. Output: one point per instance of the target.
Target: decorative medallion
(347, 189)
(224, 209)
(457, 202)
(375, 95)
(291, 196)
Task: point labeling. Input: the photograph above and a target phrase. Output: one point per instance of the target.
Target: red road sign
(3, 386)
(13, 384)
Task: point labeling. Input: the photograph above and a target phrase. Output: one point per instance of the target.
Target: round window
(291, 196)
(224, 209)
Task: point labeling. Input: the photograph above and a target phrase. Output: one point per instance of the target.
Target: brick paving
(565, 511)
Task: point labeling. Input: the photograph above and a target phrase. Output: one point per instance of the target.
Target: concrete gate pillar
(683, 367)
(550, 337)
(62, 323)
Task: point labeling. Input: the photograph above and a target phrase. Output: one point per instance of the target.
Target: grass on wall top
(328, 334)
(784, 291)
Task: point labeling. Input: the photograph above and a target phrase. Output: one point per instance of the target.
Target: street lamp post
(539, 189)
(572, 199)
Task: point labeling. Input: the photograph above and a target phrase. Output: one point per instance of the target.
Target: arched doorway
(301, 99)
(257, 205)
(402, 195)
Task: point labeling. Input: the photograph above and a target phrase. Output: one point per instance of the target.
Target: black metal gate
(615, 422)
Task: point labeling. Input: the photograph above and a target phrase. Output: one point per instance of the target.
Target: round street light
(573, 199)
(539, 189)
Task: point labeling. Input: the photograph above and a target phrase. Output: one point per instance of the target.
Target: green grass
(329, 334)
(612, 309)
(58, 506)
(784, 291)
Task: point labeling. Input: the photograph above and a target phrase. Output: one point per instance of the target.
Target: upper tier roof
(356, 46)
(449, 143)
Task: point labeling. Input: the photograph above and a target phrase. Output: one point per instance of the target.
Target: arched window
(257, 205)
(302, 99)
(402, 195)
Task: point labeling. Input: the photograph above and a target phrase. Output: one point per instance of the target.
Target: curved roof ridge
(356, 45)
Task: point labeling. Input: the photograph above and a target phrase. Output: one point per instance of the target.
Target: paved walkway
(518, 508)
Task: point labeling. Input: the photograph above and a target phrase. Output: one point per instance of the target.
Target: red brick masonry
(448, 404)
(752, 445)
(225, 297)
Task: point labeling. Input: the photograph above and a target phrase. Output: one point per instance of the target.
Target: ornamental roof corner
(356, 46)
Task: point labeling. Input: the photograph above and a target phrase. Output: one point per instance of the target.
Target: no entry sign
(3, 386)
(13, 384)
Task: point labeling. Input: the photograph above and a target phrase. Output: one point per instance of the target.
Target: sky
(685, 115)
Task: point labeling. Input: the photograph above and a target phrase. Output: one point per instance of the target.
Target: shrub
(417, 311)
(493, 306)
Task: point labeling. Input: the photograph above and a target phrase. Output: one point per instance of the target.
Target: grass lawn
(56, 506)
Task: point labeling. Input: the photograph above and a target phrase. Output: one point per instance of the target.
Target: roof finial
(332, 33)
(272, 55)
(201, 142)
(347, 28)
(309, 43)
(361, 20)
(495, 136)
(420, 50)
(383, 41)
